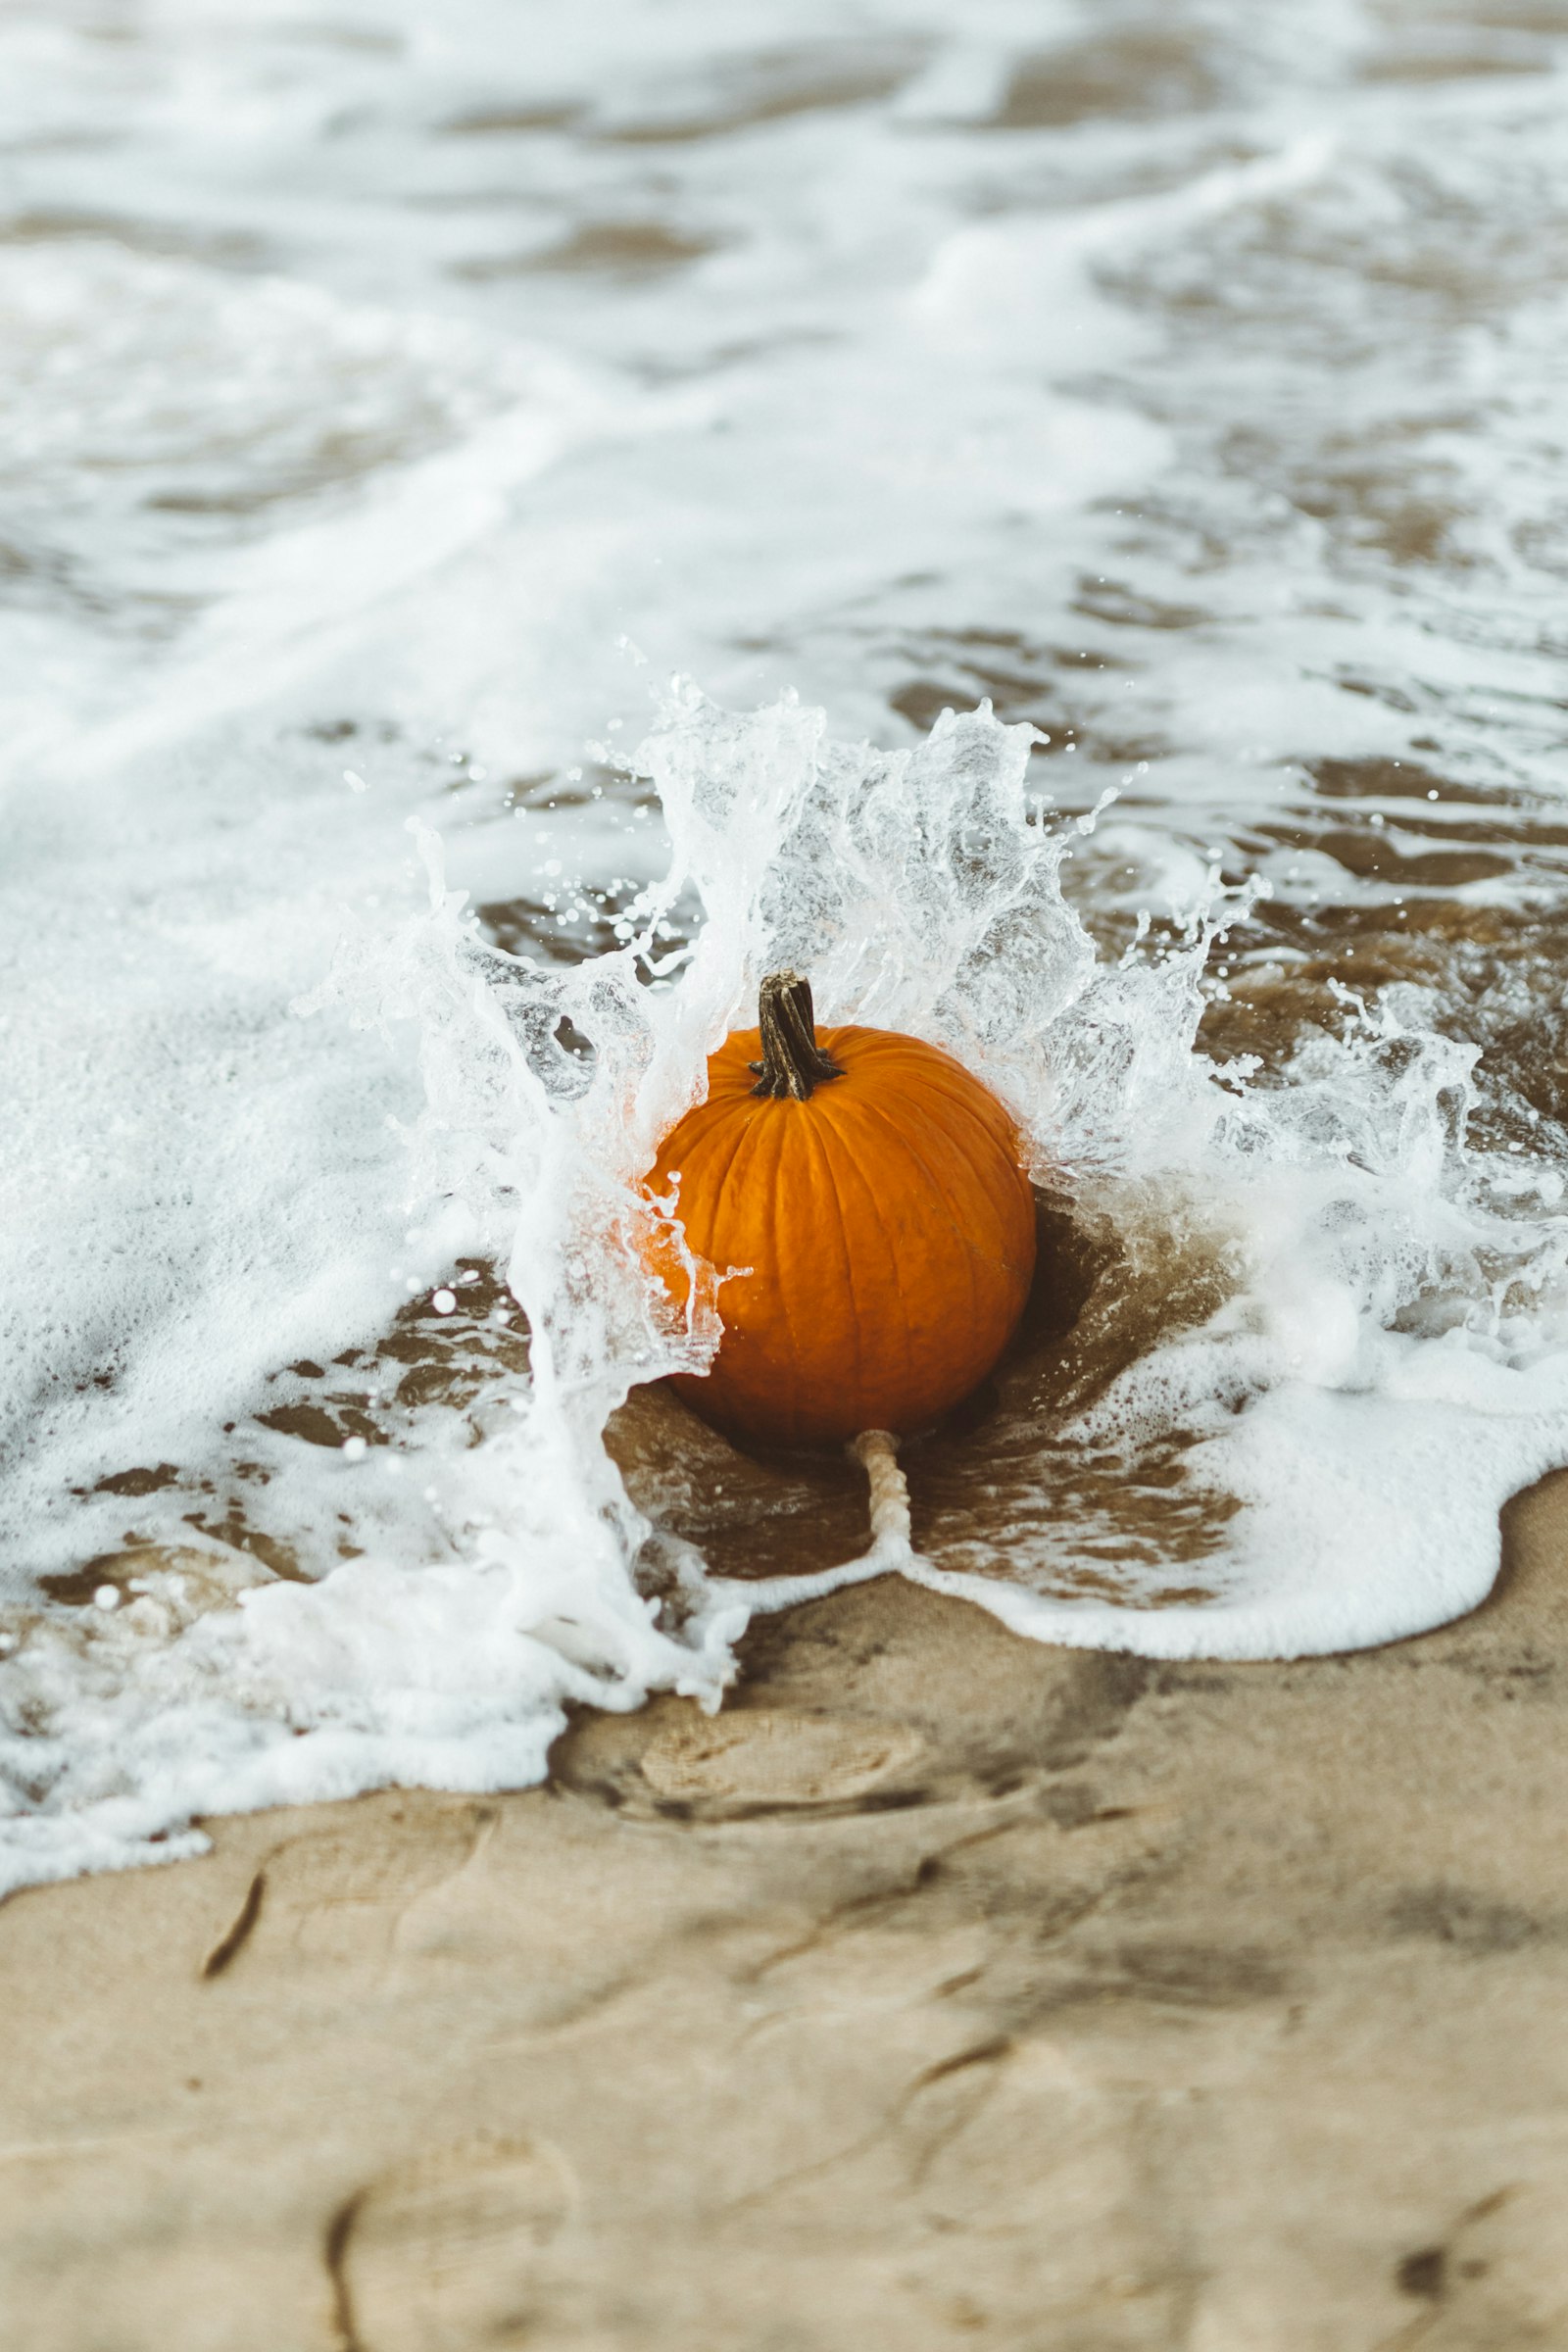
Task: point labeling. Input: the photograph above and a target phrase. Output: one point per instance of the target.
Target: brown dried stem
(792, 1064)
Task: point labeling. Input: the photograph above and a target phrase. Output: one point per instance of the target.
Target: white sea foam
(922, 889)
(350, 453)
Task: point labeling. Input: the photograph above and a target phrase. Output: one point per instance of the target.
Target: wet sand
(944, 1990)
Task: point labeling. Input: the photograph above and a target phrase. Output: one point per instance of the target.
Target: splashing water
(1319, 1335)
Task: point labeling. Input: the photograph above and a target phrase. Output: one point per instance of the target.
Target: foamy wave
(1346, 1385)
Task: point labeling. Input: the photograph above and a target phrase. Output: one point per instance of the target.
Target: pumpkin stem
(792, 1064)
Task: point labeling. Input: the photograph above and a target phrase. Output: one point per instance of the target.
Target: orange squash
(867, 1192)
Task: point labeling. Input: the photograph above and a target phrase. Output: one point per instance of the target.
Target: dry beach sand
(944, 1990)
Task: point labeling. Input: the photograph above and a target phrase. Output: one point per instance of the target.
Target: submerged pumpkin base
(806, 1434)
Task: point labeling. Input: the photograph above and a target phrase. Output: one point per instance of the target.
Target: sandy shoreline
(944, 1990)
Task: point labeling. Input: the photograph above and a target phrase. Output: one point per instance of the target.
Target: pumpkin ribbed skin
(888, 1229)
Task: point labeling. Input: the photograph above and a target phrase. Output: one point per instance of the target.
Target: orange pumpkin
(866, 1189)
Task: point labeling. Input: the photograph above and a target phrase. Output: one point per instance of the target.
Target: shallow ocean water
(1053, 516)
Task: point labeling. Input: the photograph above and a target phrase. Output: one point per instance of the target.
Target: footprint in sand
(447, 2252)
(774, 1757)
